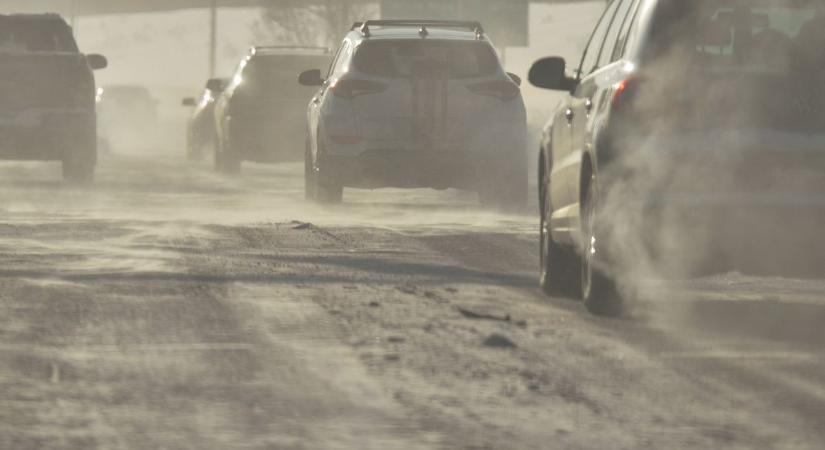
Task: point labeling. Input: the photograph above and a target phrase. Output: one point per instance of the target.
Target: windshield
(401, 59)
(39, 35)
(762, 35)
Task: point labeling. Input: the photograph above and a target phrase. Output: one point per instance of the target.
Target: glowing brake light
(356, 88)
(625, 92)
(502, 90)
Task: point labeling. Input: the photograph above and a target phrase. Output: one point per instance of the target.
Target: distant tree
(310, 22)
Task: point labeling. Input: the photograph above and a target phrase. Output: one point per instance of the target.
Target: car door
(568, 137)
(316, 104)
(588, 98)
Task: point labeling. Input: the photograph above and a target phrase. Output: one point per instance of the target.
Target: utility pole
(213, 39)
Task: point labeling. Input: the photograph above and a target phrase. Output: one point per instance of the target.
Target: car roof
(407, 33)
(53, 17)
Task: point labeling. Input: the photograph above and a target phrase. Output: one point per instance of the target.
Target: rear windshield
(277, 67)
(777, 35)
(402, 59)
(278, 75)
(35, 35)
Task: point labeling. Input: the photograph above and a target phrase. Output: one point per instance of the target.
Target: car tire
(231, 160)
(309, 174)
(79, 164)
(508, 192)
(326, 191)
(560, 265)
(227, 161)
(324, 188)
(599, 290)
(216, 159)
(329, 194)
(194, 151)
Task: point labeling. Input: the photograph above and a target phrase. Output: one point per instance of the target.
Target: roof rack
(46, 15)
(258, 48)
(474, 26)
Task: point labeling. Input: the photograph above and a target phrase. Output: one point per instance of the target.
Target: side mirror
(97, 62)
(550, 73)
(516, 79)
(216, 85)
(189, 102)
(311, 78)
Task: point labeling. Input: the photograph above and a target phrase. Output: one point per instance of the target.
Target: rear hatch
(424, 94)
(40, 66)
(44, 80)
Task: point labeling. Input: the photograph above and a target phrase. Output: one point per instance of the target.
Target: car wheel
(309, 174)
(80, 160)
(326, 190)
(231, 160)
(507, 192)
(194, 149)
(227, 160)
(599, 291)
(560, 266)
(216, 158)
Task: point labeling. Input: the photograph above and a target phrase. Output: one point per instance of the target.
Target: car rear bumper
(269, 138)
(411, 169)
(46, 134)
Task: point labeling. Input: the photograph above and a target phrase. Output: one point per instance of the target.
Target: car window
(335, 59)
(35, 36)
(275, 75)
(401, 59)
(343, 58)
(727, 34)
(590, 58)
(606, 52)
(619, 48)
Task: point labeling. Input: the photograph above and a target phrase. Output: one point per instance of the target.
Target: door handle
(588, 105)
(568, 113)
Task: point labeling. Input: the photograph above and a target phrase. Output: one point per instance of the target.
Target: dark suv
(691, 138)
(259, 117)
(47, 95)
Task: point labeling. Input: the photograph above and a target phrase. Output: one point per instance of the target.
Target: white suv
(415, 104)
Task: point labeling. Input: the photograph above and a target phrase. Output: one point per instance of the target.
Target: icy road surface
(171, 308)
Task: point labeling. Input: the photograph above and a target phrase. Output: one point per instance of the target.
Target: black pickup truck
(47, 95)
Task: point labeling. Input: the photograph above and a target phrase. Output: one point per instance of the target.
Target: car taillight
(356, 88)
(502, 90)
(626, 92)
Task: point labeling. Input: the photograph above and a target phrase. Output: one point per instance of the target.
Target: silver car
(417, 104)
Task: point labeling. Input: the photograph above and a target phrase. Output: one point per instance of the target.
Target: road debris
(499, 341)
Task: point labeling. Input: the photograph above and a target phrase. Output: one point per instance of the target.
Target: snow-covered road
(170, 308)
